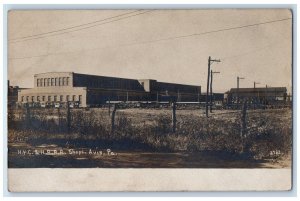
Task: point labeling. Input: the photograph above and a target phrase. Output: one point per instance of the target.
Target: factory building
(265, 95)
(58, 88)
(12, 95)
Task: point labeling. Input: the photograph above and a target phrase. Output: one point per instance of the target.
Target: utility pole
(178, 96)
(210, 61)
(199, 94)
(257, 98)
(211, 91)
(238, 87)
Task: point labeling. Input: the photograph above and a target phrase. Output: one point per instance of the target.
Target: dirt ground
(45, 156)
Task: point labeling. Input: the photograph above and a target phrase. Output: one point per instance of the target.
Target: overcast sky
(133, 47)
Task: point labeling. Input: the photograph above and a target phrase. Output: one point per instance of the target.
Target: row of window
(55, 98)
(113, 83)
(58, 81)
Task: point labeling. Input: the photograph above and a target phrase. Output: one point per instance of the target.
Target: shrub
(266, 131)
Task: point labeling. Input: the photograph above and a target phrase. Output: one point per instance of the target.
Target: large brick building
(91, 90)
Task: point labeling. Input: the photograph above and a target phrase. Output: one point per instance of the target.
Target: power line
(158, 40)
(213, 31)
(44, 35)
(72, 27)
(250, 52)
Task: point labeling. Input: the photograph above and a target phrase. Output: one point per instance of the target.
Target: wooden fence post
(174, 117)
(243, 125)
(243, 119)
(68, 117)
(28, 116)
(113, 118)
(59, 118)
(108, 107)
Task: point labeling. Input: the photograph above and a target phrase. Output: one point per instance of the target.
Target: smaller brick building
(270, 95)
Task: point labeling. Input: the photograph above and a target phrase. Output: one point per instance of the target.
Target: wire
(27, 38)
(209, 32)
(159, 40)
(54, 31)
(249, 52)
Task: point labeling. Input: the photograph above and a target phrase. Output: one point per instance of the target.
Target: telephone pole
(257, 98)
(211, 91)
(238, 87)
(210, 61)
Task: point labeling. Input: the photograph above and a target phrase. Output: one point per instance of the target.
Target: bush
(267, 132)
(163, 124)
(267, 135)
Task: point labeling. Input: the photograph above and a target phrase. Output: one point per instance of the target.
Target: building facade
(12, 95)
(264, 95)
(92, 90)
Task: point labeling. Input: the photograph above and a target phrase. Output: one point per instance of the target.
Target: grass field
(144, 138)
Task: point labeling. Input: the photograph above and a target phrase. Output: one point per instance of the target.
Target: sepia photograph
(150, 88)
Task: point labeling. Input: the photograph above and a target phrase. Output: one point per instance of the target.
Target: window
(67, 81)
(48, 82)
(61, 98)
(74, 98)
(37, 82)
(27, 98)
(64, 81)
(38, 98)
(22, 98)
(56, 81)
(32, 98)
(80, 98)
(67, 98)
(45, 82)
(59, 81)
(52, 81)
(49, 98)
(55, 98)
(43, 98)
